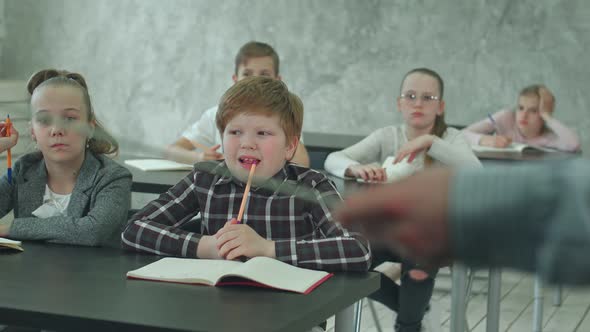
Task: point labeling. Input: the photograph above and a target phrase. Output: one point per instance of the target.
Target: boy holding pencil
(287, 214)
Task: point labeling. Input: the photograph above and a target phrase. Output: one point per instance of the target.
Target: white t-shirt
(53, 204)
(205, 130)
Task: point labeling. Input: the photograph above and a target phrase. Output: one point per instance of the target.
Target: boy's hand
(369, 172)
(497, 141)
(236, 240)
(413, 147)
(210, 154)
(207, 248)
(7, 142)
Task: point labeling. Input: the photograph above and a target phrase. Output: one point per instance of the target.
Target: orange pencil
(246, 192)
(8, 126)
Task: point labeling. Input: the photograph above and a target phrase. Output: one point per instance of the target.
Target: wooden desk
(68, 288)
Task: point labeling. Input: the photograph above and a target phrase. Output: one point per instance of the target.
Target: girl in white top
(423, 137)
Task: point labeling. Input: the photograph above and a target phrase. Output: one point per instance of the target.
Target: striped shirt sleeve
(157, 227)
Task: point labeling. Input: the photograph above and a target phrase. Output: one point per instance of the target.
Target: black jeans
(411, 299)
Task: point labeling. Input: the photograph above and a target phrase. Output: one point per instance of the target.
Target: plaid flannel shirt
(293, 208)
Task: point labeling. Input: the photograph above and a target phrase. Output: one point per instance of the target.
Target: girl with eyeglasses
(422, 140)
(532, 123)
(68, 191)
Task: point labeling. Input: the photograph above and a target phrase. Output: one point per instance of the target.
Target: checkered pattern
(293, 209)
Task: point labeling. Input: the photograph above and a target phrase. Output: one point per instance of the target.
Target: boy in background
(253, 59)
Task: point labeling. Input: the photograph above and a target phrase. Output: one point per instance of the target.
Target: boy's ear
(292, 147)
(234, 78)
(399, 105)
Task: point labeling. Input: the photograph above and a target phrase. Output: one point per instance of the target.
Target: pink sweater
(557, 137)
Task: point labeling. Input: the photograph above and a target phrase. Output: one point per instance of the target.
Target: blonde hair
(256, 49)
(100, 142)
(534, 90)
(262, 95)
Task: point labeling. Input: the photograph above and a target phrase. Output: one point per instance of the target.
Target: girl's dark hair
(100, 142)
(440, 126)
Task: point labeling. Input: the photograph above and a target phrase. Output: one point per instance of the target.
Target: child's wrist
(205, 246)
(270, 251)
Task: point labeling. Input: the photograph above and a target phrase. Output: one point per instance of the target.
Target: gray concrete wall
(2, 28)
(154, 66)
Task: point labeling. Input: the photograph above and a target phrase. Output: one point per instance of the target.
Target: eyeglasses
(412, 97)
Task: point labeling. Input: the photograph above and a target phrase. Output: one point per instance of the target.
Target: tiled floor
(516, 307)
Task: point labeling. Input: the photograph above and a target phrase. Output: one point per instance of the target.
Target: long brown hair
(440, 126)
(100, 141)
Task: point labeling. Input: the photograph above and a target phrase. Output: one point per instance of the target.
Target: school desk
(71, 288)
(158, 182)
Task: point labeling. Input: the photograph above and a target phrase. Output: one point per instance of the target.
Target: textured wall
(154, 66)
(2, 29)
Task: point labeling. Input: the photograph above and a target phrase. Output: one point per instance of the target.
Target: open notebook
(158, 165)
(513, 148)
(258, 271)
(10, 244)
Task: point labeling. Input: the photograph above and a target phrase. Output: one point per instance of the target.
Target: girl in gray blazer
(68, 191)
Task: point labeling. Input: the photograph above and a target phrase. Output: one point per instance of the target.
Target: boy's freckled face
(259, 66)
(255, 138)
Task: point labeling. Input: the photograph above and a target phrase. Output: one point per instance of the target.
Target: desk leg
(557, 295)
(494, 296)
(538, 305)
(348, 320)
(458, 297)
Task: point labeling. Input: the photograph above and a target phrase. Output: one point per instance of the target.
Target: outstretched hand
(410, 216)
